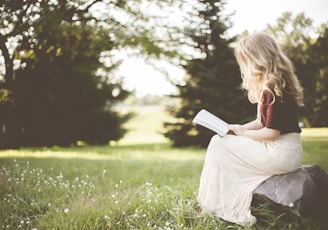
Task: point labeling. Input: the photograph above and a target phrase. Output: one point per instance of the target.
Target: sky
(256, 14)
(251, 15)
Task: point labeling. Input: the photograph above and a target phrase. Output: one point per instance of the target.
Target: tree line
(58, 84)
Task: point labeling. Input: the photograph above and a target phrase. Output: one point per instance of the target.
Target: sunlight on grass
(314, 134)
(129, 152)
(54, 154)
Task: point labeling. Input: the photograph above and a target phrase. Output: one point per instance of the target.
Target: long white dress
(235, 166)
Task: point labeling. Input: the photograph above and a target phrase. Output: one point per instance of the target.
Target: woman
(236, 165)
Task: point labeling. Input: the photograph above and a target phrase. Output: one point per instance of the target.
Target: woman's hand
(238, 130)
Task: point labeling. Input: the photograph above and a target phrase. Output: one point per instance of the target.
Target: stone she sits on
(305, 190)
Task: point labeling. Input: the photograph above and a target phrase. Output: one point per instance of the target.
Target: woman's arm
(255, 130)
(262, 134)
(253, 125)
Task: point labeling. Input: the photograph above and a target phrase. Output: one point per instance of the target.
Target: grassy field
(137, 183)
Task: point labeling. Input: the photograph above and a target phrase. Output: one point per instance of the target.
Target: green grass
(126, 186)
(120, 187)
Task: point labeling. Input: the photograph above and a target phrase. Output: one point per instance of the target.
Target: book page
(210, 121)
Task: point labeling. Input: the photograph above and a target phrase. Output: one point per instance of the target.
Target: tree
(13, 24)
(56, 68)
(67, 101)
(213, 79)
(320, 57)
(308, 54)
(55, 95)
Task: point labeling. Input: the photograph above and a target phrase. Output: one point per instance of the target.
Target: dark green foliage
(320, 51)
(213, 81)
(309, 56)
(311, 67)
(57, 96)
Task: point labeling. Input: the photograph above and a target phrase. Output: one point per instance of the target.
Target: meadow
(140, 182)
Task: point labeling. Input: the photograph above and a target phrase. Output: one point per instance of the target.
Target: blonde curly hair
(263, 64)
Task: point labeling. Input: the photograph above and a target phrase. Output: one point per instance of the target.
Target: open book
(210, 121)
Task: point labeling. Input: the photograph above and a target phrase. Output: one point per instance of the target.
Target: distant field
(146, 126)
